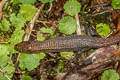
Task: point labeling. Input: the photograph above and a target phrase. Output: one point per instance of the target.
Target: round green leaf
(46, 1)
(110, 75)
(67, 25)
(24, 1)
(17, 21)
(72, 7)
(2, 77)
(4, 25)
(47, 30)
(26, 78)
(28, 11)
(66, 55)
(30, 61)
(40, 38)
(9, 69)
(116, 4)
(103, 29)
(4, 55)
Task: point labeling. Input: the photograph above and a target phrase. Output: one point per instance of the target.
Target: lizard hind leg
(77, 56)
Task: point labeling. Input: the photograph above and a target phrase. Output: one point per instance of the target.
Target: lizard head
(23, 46)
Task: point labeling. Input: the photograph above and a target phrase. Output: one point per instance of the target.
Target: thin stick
(78, 25)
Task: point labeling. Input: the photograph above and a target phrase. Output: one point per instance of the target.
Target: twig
(32, 22)
(51, 5)
(44, 23)
(78, 25)
(4, 42)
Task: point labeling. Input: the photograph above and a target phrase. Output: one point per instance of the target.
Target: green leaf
(72, 7)
(4, 55)
(116, 4)
(67, 25)
(66, 55)
(9, 69)
(26, 78)
(5, 62)
(46, 1)
(24, 1)
(4, 25)
(28, 11)
(2, 77)
(46, 30)
(16, 38)
(30, 61)
(60, 66)
(103, 29)
(18, 21)
(40, 38)
(4, 49)
(110, 75)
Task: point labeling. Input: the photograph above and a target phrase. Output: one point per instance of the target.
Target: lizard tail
(102, 42)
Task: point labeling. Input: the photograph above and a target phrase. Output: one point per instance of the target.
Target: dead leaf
(1, 6)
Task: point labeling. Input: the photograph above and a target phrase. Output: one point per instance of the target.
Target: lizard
(68, 43)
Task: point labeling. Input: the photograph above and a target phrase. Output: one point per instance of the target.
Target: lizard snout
(22, 47)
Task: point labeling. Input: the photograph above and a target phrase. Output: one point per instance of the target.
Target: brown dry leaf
(105, 52)
(1, 6)
(3, 40)
(99, 1)
(118, 24)
(116, 16)
(118, 70)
